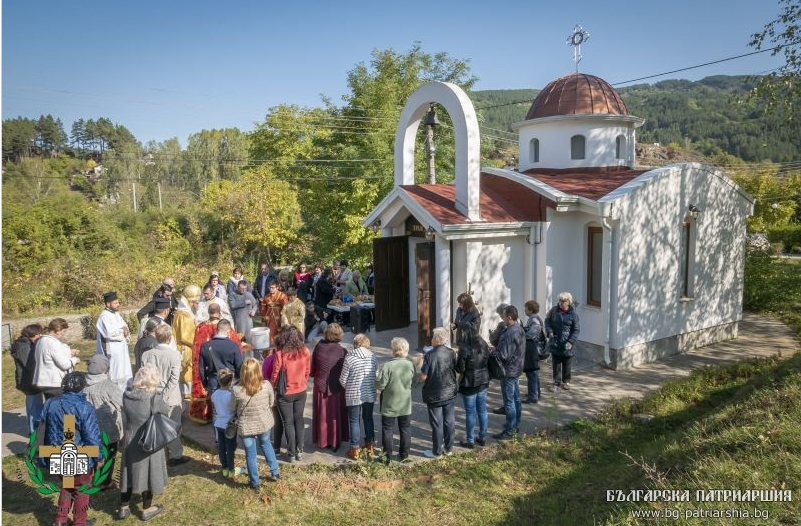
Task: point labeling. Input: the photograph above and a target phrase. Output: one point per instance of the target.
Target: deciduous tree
(780, 91)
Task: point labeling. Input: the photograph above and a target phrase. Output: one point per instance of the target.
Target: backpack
(24, 366)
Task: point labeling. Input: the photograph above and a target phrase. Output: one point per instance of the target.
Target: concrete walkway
(593, 387)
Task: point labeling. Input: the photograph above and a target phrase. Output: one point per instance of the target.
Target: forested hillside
(710, 116)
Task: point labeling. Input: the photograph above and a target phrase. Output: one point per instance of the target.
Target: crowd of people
(189, 350)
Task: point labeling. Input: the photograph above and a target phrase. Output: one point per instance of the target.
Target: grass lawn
(773, 286)
(734, 427)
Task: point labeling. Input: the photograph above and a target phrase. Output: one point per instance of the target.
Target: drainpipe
(608, 287)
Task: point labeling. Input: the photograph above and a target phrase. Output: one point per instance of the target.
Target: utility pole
(133, 193)
(159, 186)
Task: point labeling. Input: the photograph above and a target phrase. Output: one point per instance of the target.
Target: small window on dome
(620, 147)
(534, 150)
(577, 147)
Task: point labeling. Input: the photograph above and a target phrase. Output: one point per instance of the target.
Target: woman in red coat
(329, 412)
(293, 358)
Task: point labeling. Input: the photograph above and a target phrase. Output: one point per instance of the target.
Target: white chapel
(653, 257)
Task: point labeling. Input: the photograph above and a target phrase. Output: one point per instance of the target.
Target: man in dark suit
(261, 284)
(218, 353)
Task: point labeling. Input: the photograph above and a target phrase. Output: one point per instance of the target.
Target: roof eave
(637, 121)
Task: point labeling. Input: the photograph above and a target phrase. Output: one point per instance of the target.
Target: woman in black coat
(471, 363)
(562, 329)
(23, 352)
(467, 317)
(324, 290)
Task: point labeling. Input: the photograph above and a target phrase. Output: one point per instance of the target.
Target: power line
(704, 64)
(136, 180)
(775, 48)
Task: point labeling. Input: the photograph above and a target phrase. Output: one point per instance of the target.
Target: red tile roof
(592, 183)
(501, 201)
(505, 201)
(577, 94)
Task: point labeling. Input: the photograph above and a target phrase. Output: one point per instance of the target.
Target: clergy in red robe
(200, 407)
(272, 305)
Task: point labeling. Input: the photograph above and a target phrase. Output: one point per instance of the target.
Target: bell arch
(466, 136)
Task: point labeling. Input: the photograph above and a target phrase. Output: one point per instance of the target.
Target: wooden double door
(391, 266)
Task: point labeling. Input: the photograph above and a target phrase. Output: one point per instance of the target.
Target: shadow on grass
(578, 496)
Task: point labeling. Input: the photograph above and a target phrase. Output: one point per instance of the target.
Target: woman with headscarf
(87, 433)
(233, 282)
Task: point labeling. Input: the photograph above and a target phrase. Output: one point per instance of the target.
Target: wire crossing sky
(169, 69)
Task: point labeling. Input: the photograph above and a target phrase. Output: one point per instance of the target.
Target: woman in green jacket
(394, 380)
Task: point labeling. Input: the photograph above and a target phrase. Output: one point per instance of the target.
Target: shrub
(788, 235)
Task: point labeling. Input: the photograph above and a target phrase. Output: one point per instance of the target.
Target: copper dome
(577, 94)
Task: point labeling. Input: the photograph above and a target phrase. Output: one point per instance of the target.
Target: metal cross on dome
(578, 37)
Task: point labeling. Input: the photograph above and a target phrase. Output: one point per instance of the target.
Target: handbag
(496, 369)
(543, 352)
(159, 430)
(280, 383)
(230, 427)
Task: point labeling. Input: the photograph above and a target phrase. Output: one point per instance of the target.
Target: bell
(431, 117)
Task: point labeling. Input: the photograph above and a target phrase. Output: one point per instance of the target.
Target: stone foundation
(632, 356)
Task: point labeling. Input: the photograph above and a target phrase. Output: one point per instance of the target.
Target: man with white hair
(439, 393)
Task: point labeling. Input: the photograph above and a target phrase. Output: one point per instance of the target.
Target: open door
(391, 267)
(426, 312)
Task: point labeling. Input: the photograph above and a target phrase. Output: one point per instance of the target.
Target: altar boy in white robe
(113, 336)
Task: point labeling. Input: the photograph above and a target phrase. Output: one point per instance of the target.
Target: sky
(172, 68)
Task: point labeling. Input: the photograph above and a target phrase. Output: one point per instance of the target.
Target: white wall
(496, 270)
(649, 278)
(554, 137)
(566, 264)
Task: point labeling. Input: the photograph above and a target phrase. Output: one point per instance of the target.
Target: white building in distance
(654, 258)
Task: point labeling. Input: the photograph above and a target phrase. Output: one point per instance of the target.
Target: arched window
(620, 147)
(534, 150)
(577, 147)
